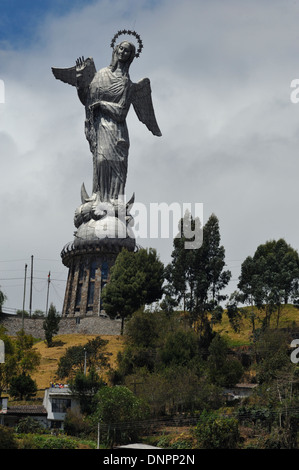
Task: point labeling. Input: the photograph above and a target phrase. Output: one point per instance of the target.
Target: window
(93, 268)
(78, 295)
(60, 405)
(104, 270)
(90, 293)
(81, 271)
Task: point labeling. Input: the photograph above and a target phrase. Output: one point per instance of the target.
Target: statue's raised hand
(80, 63)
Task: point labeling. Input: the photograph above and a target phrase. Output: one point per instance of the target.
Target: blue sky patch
(19, 18)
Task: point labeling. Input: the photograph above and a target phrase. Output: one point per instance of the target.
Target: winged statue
(107, 95)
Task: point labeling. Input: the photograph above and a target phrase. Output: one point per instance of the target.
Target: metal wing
(66, 75)
(79, 75)
(143, 105)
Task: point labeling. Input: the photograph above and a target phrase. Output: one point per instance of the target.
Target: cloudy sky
(221, 76)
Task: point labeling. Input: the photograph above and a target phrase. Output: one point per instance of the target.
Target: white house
(57, 400)
(51, 414)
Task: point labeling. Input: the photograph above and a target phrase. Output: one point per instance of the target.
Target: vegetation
(91, 355)
(51, 325)
(268, 281)
(118, 410)
(170, 378)
(22, 386)
(7, 438)
(2, 300)
(215, 431)
(136, 280)
(20, 361)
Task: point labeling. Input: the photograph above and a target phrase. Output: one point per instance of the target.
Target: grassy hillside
(50, 356)
(289, 318)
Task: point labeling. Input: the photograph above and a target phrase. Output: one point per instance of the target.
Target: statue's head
(123, 52)
(126, 51)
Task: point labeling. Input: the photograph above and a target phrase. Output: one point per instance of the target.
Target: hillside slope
(50, 356)
(46, 371)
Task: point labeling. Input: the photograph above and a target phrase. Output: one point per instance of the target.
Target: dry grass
(289, 318)
(50, 356)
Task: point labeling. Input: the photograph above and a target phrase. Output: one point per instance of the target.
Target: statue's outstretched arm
(79, 75)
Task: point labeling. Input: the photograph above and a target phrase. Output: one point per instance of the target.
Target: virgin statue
(107, 96)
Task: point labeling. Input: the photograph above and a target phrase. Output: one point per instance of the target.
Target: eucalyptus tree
(269, 280)
(198, 275)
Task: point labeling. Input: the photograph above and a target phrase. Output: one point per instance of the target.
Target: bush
(7, 438)
(22, 386)
(214, 431)
(28, 425)
(118, 410)
(76, 425)
(32, 441)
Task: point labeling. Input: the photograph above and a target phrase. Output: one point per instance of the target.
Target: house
(57, 400)
(51, 414)
(239, 391)
(10, 416)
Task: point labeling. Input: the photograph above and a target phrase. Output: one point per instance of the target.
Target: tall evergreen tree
(198, 275)
(51, 325)
(136, 280)
(180, 272)
(211, 277)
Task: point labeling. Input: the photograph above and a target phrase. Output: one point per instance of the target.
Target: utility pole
(84, 361)
(49, 280)
(99, 435)
(31, 280)
(24, 294)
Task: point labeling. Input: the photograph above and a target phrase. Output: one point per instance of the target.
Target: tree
(8, 368)
(74, 358)
(180, 272)
(272, 350)
(118, 409)
(198, 276)
(211, 278)
(223, 370)
(22, 386)
(180, 348)
(268, 280)
(51, 325)
(7, 438)
(144, 328)
(136, 280)
(214, 431)
(27, 359)
(2, 300)
(84, 387)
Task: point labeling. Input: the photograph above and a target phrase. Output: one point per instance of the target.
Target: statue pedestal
(99, 238)
(89, 270)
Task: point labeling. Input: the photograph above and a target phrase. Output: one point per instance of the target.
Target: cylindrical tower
(89, 258)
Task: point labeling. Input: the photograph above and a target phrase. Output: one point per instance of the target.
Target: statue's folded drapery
(106, 130)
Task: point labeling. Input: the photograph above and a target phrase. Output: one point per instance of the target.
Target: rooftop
(26, 410)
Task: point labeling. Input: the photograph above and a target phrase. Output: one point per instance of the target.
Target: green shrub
(31, 441)
(28, 425)
(215, 431)
(7, 438)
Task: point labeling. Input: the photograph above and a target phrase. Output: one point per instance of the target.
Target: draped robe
(106, 131)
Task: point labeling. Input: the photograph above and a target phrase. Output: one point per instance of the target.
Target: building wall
(85, 325)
